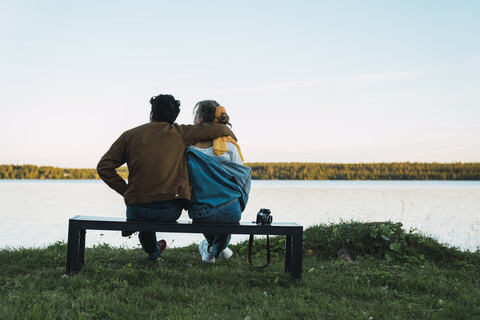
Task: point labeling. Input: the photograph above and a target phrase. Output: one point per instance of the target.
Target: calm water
(35, 213)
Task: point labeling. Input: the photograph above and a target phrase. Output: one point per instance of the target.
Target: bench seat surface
(120, 220)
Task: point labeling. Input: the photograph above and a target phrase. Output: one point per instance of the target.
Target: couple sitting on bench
(173, 167)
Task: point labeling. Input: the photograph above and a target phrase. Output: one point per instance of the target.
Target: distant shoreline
(286, 171)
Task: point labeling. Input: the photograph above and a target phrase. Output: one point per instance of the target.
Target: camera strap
(250, 246)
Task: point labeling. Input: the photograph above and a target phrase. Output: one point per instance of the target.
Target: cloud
(360, 79)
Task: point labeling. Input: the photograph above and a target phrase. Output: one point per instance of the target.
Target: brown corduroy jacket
(155, 156)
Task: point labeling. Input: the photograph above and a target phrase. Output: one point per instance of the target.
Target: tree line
(288, 171)
(46, 172)
(366, 171)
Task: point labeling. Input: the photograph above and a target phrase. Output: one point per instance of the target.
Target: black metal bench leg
(297, 255)
(73, 248)
(288, 253)
(81, 249)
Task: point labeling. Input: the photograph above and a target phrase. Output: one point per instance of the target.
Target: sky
(302, 81)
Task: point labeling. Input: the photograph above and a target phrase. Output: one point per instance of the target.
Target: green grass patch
(416, 279)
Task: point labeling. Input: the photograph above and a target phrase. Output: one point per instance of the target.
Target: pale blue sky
(306, 81)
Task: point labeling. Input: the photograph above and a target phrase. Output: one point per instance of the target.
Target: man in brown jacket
(158, 187)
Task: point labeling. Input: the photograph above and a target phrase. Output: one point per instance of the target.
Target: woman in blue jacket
(220, 182)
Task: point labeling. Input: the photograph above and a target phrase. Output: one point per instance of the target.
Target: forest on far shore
(289, 171)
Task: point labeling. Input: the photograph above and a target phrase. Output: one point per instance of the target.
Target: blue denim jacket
(216, 183)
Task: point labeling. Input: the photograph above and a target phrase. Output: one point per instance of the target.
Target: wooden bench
(79, 224)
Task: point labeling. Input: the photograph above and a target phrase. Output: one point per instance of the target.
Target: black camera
(264, 217)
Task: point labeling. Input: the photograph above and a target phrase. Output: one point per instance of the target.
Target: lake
(35, 213)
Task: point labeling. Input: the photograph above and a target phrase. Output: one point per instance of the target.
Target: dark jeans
(155, 212)
(230, 214)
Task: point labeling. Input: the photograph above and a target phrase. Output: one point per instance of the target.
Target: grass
(395, 275)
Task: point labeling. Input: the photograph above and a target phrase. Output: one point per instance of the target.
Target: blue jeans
(230, 214)
(155, 212)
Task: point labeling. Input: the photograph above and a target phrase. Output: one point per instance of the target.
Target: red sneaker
(162, 244)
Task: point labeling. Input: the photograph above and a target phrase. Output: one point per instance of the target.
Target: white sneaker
(206, 256)
(226, 253)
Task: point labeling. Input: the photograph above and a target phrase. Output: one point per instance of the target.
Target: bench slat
(112, 223)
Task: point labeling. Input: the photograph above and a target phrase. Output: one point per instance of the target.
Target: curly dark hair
(164, 108)
(205, 110)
